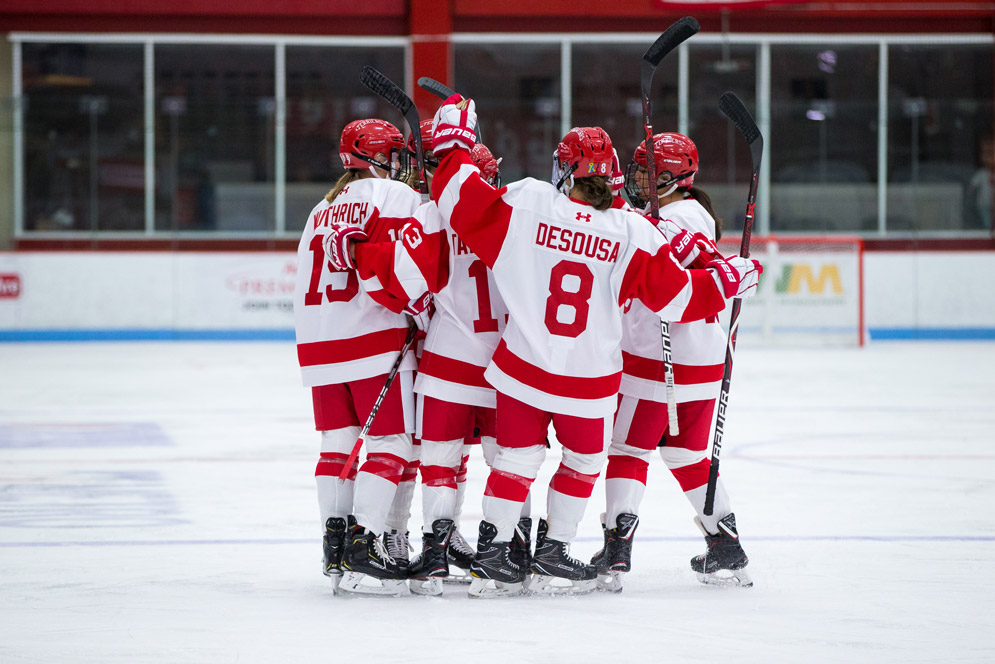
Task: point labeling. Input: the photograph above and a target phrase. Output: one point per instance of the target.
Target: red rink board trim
(571, 387)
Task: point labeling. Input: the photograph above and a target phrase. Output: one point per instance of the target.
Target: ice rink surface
(157, 504)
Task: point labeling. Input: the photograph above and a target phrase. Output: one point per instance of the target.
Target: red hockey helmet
(370, 142)
(425, 129)
(584, 152)
(487, 164)
(676, 158)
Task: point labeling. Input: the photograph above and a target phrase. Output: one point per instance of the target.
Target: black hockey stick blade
(435, 87)
(735, 110)
(398, 98)
(678, 33)
(443, 92)
(386, 88)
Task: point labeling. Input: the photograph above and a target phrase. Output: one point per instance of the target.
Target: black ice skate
(332, 544)
(398, 546)
(521, 543)
(615, 559)
(554, 572)
(494, 573)
(431, 566)
(369, 569)
(460, 556)
(724, 561)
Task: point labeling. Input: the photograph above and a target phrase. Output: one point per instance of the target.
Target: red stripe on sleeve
(480, 217)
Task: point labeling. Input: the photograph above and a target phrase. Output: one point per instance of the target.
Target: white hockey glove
(420, 309)
(454, 125)
(736, 276)
(336, 244)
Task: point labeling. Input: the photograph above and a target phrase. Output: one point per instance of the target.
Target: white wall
(934, 290)
(122, 294)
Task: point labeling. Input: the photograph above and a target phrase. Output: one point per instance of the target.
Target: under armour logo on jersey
(345, 189)
(583, 217)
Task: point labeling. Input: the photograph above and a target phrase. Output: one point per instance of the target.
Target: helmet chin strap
(670, 190)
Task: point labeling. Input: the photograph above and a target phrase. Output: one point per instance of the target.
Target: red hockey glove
(693, 250)
(617, 179)
(454, 124)
(736, 276)
(336, 245)
(420, 309)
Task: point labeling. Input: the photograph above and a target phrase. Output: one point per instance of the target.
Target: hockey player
(349, 333)
(455, 402)
(564, 265)
(698, 352)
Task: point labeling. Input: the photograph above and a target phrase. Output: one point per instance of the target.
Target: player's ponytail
(699, 194)
(350, 175)
(596, 191)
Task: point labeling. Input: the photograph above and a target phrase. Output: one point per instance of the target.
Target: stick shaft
(376, 405)
(734, 109)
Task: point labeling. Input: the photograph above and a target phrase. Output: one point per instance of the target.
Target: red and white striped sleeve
(472, 207)
(653, 275)
(417, 262)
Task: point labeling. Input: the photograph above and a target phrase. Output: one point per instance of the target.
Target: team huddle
(530, 304)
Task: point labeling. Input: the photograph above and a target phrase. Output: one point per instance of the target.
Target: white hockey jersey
(564, 269)
(348, 328)
(697, 348)
(469, 312)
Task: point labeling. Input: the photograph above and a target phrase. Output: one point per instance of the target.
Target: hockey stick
(672, 37)
(396, 97)
(412, 330)
(442, 92)
(733, 108)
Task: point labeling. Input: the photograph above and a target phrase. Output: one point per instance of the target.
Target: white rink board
(149, 290)
(72, 291)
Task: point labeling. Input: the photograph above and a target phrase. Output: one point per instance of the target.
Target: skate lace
(459, 543)
(565, 550)
(382, 552)
(398, 544)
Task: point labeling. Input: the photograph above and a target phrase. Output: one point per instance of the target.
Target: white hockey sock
(625, 480)
(622, 496)
(569, 491)
(334, 495)
(372, 501)
(400, 507)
